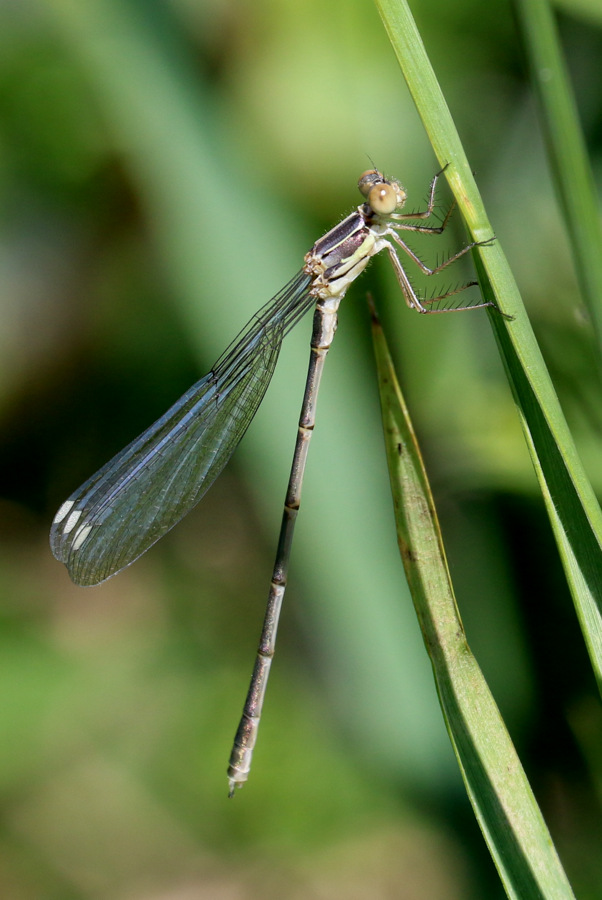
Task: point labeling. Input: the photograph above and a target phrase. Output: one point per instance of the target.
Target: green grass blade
(498, 789)
(566, 149)
(570, 501)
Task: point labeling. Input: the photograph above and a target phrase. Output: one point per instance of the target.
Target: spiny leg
(451, 293)
(430, 206)
(413, 300)
(424, 229)
(447, 262)
(409, 294)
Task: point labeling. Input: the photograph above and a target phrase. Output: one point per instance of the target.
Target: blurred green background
(164, 166)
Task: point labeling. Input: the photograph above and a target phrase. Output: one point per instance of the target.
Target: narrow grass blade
(570, 501)
(566, 149)
(498, 789)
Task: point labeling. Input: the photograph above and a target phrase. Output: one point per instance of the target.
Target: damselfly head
(383, 196)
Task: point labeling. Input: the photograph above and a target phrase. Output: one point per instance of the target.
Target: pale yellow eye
(383, 199)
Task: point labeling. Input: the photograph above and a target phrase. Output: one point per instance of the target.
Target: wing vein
(143, 491)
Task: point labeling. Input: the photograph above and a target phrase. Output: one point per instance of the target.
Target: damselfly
(149, 486)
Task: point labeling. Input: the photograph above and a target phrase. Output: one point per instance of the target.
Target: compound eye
(383, 199)
(367, 180)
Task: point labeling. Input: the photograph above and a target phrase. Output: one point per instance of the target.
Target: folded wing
(149, 486)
